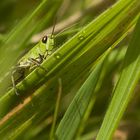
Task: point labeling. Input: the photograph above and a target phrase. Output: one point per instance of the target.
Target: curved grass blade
(14, 39)
(56, 112)
(124, 89)
(75, 113)
(40, 104)
(92, 41)
(29, 114)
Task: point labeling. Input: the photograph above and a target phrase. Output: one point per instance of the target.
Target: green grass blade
(34, 109)
(14, 39)
(42, 102)
(56, 112)
(92, 41)
(75, 113)
(76, 55)
(124, 89)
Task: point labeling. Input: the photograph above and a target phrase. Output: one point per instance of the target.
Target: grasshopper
(38, 53)
(32, 59)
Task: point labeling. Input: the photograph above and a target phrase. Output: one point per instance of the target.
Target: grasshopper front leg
(37, 63)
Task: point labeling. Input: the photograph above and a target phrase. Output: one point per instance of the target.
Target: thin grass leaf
(124, 89)
(75, 113)
(56, 112)
(92, 41)
(89, 123)
(41, 101)
(22, 117)
(19, 120)
(14, 39)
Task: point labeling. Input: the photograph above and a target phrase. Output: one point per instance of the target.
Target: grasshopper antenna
(54, 23)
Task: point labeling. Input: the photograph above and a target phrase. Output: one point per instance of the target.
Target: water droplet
(57, 56)
(81, 36)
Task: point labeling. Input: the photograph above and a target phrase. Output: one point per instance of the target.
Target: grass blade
(74, 114)
(90, 41)
(124, 89)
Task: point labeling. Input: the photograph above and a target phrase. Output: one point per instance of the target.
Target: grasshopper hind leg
(14, 84)
(17, 75)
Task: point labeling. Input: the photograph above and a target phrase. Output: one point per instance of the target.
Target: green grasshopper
(38, 53)
(33, 58)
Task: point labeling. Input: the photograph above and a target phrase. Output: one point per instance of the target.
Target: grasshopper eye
(44, 39)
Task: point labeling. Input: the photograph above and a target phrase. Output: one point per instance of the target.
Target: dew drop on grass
(57, 56)
(82, 35)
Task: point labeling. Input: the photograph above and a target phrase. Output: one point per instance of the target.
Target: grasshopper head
(49, 41)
